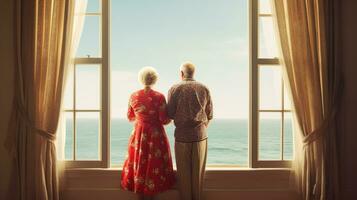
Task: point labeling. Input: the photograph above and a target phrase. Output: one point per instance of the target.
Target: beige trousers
(191, 163)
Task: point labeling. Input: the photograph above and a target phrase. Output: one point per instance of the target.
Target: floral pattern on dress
(148, 167)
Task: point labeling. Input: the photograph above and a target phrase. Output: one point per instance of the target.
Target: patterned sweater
(190, 106)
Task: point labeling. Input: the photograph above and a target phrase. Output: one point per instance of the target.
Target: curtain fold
(80, 7)
(43, 29)
(75, 27)
(306, 32)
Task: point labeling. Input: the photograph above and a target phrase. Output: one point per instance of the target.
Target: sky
(164, 34)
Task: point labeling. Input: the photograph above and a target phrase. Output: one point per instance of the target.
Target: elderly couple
(148, 168)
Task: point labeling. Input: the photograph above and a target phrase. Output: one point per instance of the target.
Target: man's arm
(171, 103)
(209, 106)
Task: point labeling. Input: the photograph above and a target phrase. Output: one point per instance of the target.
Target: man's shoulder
(188, 84)
(195, 84)
(201, 84)
(175, 86)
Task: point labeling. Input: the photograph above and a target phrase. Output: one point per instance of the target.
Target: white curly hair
(148, 76)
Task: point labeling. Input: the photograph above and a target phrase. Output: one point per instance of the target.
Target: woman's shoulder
(157, 94)
(135, 94)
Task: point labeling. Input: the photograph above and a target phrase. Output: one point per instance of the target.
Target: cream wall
(6, 85)
(347, 141)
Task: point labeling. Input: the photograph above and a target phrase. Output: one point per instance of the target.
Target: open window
(234, 48)
(270, 120)
(211, 34)
(86, 101)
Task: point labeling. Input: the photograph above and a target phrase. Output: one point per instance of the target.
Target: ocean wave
(219, 149)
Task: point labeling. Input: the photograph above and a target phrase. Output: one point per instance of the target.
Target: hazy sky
(210, 33)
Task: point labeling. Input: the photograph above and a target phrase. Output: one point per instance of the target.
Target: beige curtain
(43, 28)
(77, 28)
(307, 39)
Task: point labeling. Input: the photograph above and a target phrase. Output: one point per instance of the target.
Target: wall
(6, 85)
(348, 140)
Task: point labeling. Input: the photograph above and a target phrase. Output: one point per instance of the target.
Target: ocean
(227, 140)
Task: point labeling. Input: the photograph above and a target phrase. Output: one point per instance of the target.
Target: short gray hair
(188, 69)
(148, 76)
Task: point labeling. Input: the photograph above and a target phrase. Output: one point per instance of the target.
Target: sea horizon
(227, 140)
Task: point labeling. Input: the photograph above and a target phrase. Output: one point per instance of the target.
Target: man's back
(190, 106)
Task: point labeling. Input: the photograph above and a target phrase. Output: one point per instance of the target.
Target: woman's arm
(164, 119)
(130, 113)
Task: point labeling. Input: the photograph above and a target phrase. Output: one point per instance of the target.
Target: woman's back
(148, 106)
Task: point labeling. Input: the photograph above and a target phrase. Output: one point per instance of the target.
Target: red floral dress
(148, 167)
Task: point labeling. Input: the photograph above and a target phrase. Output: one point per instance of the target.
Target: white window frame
(104, 120)
(255, 61)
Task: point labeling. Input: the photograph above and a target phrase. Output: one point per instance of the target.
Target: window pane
(68, 92)
(269, 136)
(93, 6)
(228, 138)
(69, 135)
(87, 135)
(264, 7)
(267, 44)
(119, 139)
(287, 102)
(270, 83)
(89, 45)
(288, 136)
(87, 87)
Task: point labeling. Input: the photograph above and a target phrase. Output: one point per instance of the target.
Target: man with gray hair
(190, 106)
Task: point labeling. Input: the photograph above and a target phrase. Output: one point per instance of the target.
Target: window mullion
(74, 112)
(265, 15)
(93, 14)
(255, 111)
(268, 61)
(83, 110)
(89, 60)
(282, 121)
(103, 111)
(254, 115)
(105, 80)
(267, 110)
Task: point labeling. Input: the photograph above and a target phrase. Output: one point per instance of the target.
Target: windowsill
(232, 167)
(210, 172)
(208, 169)
(216, 178)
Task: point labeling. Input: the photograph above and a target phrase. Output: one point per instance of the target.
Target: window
(86, 95)
(271, 120)
(231, 43)
(211, 34)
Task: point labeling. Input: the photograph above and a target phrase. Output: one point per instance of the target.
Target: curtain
(306, 31)
(44, 29)
(77, 28)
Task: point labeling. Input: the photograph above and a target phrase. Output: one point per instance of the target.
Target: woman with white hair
(148, 168)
